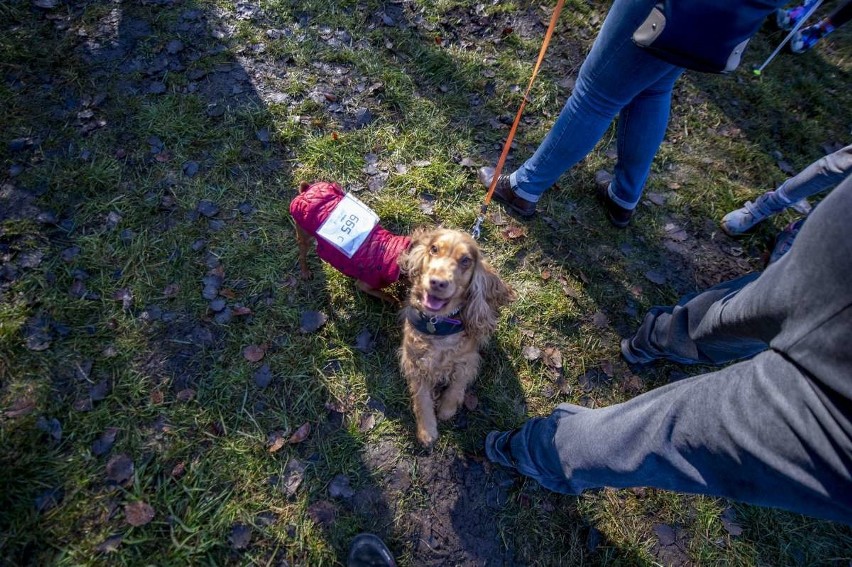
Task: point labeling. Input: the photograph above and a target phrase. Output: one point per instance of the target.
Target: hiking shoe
(505, 193)
(367, 550)
(805, 39)
(618, 215)
(498, 448)
(739, 221)
(631, 356)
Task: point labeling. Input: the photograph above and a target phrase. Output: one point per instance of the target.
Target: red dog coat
(375, 261)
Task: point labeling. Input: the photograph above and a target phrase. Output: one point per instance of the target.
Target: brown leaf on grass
(171, 290)
(185, 395)
(531, 353)
(119, 469)
(632, 384)
(323, 513)
(110, 544)
(263, 376)
(606, 367)
(340, 488)
(178, 470)
(568, 289)
(367, 422)
(729, 522)
(545, 274)
(83, 404)
(300, 434)
(20, 408)
(514, 232)
(289, 482)
(255, 353)
(227, 292)
(218, 271)
(471, 402)
(655, 277)
(138, 513)
(125, 296)
(275, 440)
(104, 443)
(99, 391)
(311, 321)
(552, 357)
(156, 397)
(600, 320)
(239, 537)
(240, 311)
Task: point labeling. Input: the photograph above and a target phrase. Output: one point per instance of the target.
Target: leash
(476, 230)
(793, 31)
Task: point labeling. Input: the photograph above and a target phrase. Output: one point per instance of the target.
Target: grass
(179, 390)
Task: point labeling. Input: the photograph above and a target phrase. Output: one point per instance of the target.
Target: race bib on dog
(348, 225)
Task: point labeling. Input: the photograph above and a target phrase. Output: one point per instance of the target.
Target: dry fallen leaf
(171, 290)
(275, 441)
(239, 537)
(119, 469)
(178, 470)
(138, 513)
(367, 422)
(185, 395)
(300, 434)
(255, 353)
(322, 513)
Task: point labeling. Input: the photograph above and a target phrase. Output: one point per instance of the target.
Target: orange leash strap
(502, 161)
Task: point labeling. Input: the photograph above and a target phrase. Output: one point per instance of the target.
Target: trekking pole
(793, 31)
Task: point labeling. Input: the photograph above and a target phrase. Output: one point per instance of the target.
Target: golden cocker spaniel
(451, 312)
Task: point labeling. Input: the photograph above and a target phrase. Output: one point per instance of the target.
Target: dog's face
(441, 264)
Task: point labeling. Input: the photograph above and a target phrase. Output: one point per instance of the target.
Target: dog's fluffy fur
(447, 275)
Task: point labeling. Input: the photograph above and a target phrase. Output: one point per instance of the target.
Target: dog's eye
(433, 250)
(465, 262)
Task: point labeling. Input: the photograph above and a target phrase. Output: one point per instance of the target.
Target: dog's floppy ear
(411, 261)
(485, 295)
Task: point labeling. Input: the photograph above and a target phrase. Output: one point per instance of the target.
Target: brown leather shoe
(618, 215)
(505, 194)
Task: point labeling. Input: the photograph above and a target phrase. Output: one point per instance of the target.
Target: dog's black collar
(435, 325)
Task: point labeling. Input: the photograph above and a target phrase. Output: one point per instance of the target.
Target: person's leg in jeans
(826, 172)
(775, 430)
(615, 74)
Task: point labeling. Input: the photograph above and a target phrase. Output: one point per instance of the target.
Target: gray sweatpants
(775, 430)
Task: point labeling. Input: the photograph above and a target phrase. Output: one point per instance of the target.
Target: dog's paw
(426, 437)
(447, 410)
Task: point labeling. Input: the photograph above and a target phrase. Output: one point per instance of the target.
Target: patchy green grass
(116, 136)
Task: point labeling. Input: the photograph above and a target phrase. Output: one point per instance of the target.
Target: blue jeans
(617, 78)
(774, 430)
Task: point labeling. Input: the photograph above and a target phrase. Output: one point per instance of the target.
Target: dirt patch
(459, 524)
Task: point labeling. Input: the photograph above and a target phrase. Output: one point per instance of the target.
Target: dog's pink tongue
(433, 303)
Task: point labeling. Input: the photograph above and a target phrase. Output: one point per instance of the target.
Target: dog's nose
(438, 284)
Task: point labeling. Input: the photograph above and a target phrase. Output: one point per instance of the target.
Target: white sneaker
(739, 221)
